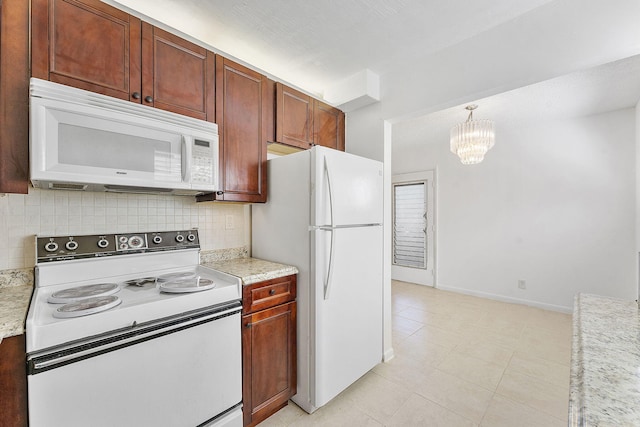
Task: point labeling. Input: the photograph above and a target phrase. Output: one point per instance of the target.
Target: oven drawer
(184, 377)
(269, 293)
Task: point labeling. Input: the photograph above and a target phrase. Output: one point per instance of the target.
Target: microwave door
(79, 146)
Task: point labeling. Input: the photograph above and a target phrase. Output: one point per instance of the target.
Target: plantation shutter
(409, 225)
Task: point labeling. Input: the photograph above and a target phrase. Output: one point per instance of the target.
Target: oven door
(181, 371)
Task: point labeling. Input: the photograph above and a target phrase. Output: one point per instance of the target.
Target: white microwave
(81, 140)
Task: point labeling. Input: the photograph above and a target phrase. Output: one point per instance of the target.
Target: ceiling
(313, 44)
(597, 90)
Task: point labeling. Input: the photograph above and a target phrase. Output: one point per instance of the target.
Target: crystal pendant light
(472, 139)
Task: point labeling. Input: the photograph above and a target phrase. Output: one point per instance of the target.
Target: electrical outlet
(522, 284)
(228, 224)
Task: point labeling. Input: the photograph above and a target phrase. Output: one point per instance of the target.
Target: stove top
(78, 293)
(143, 282)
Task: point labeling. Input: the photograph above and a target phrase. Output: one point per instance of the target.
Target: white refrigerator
(324, 216)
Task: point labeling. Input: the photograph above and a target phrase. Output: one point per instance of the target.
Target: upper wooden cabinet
(88, 45)
(328, 126)
(302, 121)
(244, 114)
(14, 96)
(294, 117)
(177, 75)
(93, 46)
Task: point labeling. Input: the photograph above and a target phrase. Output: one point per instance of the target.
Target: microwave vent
(132, 189)
(67, 186)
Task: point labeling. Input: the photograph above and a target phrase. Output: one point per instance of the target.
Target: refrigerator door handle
(326, 170)
(328, 281)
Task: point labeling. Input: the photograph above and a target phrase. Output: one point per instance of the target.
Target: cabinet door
(177, 75)
(14, 97)
(86, 44)
(244, 113)
(294, 117)
(328, 126)
(13, 381)
(268, 361)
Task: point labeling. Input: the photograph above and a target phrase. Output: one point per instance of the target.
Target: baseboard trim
(552, 307)
(388, 355)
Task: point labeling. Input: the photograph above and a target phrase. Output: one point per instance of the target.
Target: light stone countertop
(16, 287)
(252, 270)
(605, 362)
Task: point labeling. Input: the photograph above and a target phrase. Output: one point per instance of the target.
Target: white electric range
(133, 323)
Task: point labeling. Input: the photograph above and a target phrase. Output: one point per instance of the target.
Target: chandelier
(472, 139)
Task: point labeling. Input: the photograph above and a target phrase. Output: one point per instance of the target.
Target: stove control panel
(63, 248)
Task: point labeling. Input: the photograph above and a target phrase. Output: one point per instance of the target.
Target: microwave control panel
(203, 161)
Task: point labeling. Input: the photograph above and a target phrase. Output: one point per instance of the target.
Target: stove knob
(103, 243)
(71, 245)
(179, 238)
(191, 237)
(136, 242)
(51, 247)
(157, 239)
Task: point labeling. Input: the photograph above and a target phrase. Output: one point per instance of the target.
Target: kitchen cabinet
(294, 117)
(268, 347)
(93, 46)
(86, 44)
(302, 121)
(14, 96)
(177, 75)
(328, 126)
(244, 114)
(13, 381)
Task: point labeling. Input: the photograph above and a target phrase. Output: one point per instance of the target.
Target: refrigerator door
(347, 305)
(347, 189)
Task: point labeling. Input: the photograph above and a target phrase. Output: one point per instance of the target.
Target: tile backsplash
(59, 212)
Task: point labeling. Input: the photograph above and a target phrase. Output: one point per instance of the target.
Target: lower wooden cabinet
(13, 382)
(268, 347)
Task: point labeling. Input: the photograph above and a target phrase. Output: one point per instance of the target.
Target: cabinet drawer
(268, 293)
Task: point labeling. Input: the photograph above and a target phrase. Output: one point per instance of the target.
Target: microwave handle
(186, 159)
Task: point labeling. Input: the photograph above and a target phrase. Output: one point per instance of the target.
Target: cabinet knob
(148, 99)
(272, 292)
(247, 325)
(219, 193)
(135, 95)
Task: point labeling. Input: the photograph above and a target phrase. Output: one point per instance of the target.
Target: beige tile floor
(459, 361)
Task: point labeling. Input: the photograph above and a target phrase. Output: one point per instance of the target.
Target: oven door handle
(65, 354)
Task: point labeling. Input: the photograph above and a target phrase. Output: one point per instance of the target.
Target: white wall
(59, 212)
(552, 204)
